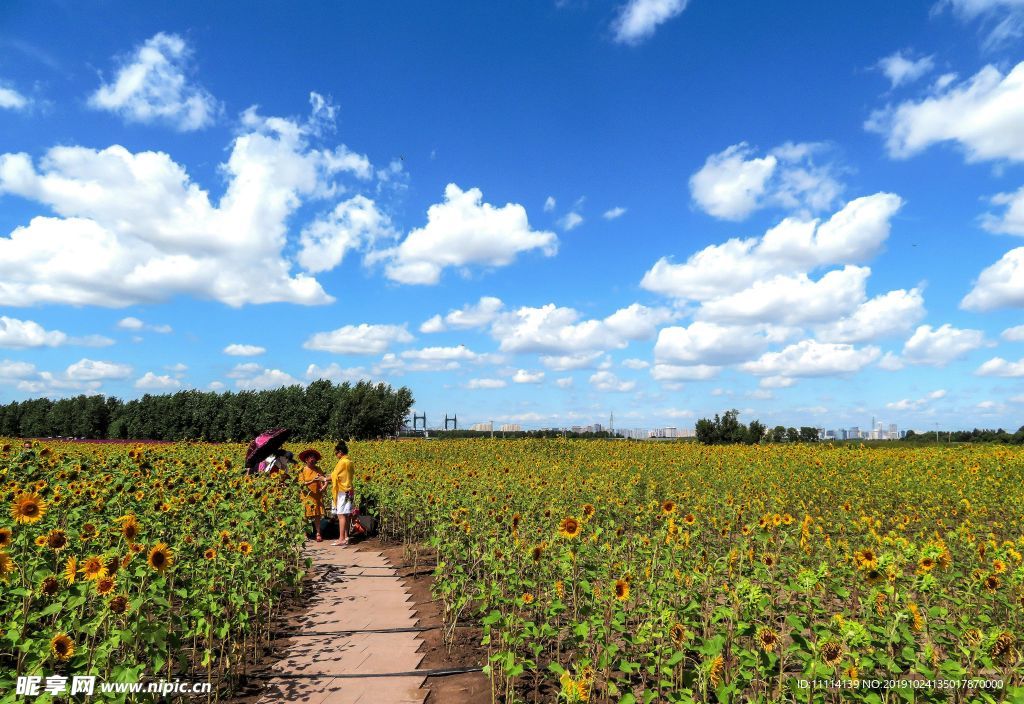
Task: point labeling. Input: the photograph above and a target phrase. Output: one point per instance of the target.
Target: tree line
(320, 411)
(726, 429)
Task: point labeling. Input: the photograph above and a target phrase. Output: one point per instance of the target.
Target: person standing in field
(343, 488)
(313, 483)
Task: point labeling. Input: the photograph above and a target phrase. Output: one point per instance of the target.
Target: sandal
(319, 539)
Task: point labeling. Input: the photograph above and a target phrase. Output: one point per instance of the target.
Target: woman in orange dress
(313, 483)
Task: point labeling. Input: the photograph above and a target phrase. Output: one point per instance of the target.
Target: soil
(466, 688)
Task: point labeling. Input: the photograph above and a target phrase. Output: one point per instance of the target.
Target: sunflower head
(62, 647)
(992, 582)
(245, 548)
(588, 510)
(50, 586)
(94, 568)
(130, 530)
(527, 598)
(28, 508)
(621, 589)
(7, 565)
(56, 539)
(105, 585)
(569, 527)
(668, 507)
(210, 554)
(119, 604)
(767, 639)
(70, 570)
(40, 541)
(832, 653)
(160, 557)
(678, 634)
(5, 537)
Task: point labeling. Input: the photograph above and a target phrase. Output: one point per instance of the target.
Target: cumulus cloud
(571, 362)
(355, 223)
(901, 68)
(149, 232)
(893, 313)
(570, 221)
(854, 234)
(607, 381)
(704, 343)
(153, 85)
(939, 346)
(684, 372)
(254, 377)
(557, 330)
(982, 115)
(464, 231)
(362, 339)
(477, 315)
(11, 99)
(336, 373)
(549, 204)
(997, 366)
(238, 350)
(1011, 220)
(28, 334)
(614, 213)
(1000, 285)
(486, 384)
(523, 376)
(93, 370)
(1014, 334)
(132, 323)
(907, 404)
(153, 382)
(638, 19)
(810, 358)
(735, 182)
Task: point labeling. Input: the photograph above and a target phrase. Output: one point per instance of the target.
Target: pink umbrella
(265, 444)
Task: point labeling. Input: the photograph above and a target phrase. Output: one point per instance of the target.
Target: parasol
(265, 444)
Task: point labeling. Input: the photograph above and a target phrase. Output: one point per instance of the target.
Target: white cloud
(549, 204)
(336, 373)
(1000, 285)
(1014, 334)
(216, 386)
(486, 384)
(558, 330)
(940, 346)
(982, 114)
(1003, 19)
(153, 86)
(900, 69)
(23, 334)
(690, 372)
(148, 232)
(709, 343)
(613, 213)
(11, 99)
(93, 370)
(634, 363)
(13, 371)
(523, 376)
(853, 234)
(437, 354)
(606, 381)
(570, 221)
(891, 362)
(776, 382)
(1011, 221)
(153, 382)
(360, 339)
(997, 366)
(130, 323)
(238, 350)
(254, 377)
(564, 382)
(638, 19)
(571, 362)
(735, 182)
(352, 224)
(476, 315)
(810, 358)
(889, 314)
(461, 231)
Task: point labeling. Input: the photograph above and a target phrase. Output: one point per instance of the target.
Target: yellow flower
(569, 527)
(70, 569)
(621, 589)
(28, 508)
(62, 647)
(7, 565)
(94, 568)
(527, 598)
(160, 557)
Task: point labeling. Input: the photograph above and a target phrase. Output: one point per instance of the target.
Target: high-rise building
(510, 428)
(893, 432)
(482, 427)
(853, 433)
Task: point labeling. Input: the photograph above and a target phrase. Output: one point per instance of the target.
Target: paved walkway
(351, 590)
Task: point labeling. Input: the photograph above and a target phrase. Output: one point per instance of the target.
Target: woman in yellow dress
(313, 483)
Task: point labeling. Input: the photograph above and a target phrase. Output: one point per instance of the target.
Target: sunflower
(94, 568)
(88, 532)
(832, 653)
(992, 582)
(50, 586)
(160, 557)
(28, 508)
(7, 565)
(62, 647)
(119, 604)
(926, 564)
(769, 560)
(588, 510)
(70, 570)
(621, 589)
(767, 639)
(668, 507)
(715, 670)
(678, 634)
(40, 541)
(56, 540)
(245, 548)
(1003, 645)
(5, 537)
(130, 529)
(105, 585)
(527, 598)
(225, 538)
(560, 588)
(865, 559)
(569, 527)
(998, 566)
(689, 519)
(210, 554)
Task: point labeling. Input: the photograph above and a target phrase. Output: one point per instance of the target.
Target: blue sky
(534, 212)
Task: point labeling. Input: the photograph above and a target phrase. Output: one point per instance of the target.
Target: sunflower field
(130, 562)
(594, 571)
(644, 572)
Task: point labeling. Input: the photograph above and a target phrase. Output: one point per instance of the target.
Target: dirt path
(344, 648)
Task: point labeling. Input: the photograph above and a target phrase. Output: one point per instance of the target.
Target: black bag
(329, 528)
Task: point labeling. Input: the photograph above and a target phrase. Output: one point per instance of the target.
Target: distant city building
(597, 428)
(510, 428)
(482, 427)
(853, 433)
